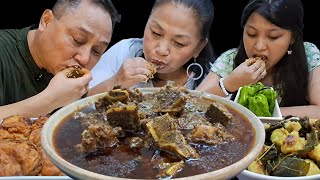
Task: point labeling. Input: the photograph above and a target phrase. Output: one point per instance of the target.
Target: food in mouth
(153, 69)
(76, 72)
(159, 64)
(254, 59)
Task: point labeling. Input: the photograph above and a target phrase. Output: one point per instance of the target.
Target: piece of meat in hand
(76, 72)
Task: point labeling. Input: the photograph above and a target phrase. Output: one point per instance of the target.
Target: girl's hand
(245, 75)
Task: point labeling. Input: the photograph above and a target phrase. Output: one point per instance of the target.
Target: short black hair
(62, 6)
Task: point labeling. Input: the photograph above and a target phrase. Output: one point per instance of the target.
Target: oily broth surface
(124, 161)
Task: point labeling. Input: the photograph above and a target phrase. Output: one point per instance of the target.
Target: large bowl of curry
(153, 133)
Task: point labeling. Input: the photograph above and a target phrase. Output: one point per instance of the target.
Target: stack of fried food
(21, 153)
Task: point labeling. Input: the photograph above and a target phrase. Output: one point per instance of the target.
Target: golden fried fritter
(48, 168)
(25, 154)
(8, 166)
(17, 125)
(20, 148)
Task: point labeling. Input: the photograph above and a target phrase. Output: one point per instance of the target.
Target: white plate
(247, 175)
(276, 115)
(35, 178)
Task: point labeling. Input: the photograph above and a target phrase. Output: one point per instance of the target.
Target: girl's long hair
(291, 74)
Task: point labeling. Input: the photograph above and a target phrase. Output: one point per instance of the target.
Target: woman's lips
(262, 57)
(158, 64)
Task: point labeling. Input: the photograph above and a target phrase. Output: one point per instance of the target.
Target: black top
(20, 77)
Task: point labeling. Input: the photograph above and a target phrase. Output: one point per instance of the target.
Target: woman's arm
(132, 71)
(211, 85)
(313, 110)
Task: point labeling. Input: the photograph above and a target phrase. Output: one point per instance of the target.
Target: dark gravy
(124, 161)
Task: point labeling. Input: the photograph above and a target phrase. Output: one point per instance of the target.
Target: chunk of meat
(218, 113)
(174, 142)
(169, 100)
(160, 125)
(164, 132)
(99, 136)
(254, 59)
(191, 120)
(169, 169)
(76, 72)
(125, 116)
(210, 135)
(113, 96)
(153, 70)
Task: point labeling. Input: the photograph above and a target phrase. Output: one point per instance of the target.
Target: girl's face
(172, 37)
(261, 37)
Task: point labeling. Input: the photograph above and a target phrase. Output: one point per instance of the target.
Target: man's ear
(201, 45)
(46, 18)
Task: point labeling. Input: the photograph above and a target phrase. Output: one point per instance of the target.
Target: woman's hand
(63, 90)
(245, 75)
(131, 72)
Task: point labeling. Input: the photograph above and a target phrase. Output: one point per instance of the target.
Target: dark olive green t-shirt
(20, 77)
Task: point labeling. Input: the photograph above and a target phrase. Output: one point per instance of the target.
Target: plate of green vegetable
(261, 100)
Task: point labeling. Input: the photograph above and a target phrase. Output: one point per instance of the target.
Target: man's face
(79, 37)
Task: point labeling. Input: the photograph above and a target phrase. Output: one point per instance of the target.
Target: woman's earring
(290, 49)
(199, 66)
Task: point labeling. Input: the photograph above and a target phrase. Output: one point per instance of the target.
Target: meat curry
(169, 133)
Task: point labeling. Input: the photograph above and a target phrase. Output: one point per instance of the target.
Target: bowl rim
(68, 168)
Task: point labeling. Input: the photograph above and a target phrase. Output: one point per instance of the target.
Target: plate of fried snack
(21, 154)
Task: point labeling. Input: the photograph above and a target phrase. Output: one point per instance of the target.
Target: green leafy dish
(291, 149)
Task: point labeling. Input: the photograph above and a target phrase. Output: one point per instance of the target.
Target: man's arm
(37, 105)
(60, 92)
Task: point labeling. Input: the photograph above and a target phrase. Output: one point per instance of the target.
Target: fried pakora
(21, 153)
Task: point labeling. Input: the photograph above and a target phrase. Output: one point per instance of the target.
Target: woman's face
(261, 37)
(172, 37)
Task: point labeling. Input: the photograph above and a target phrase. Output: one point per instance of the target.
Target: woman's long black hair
(204, 11)
(291, 75)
